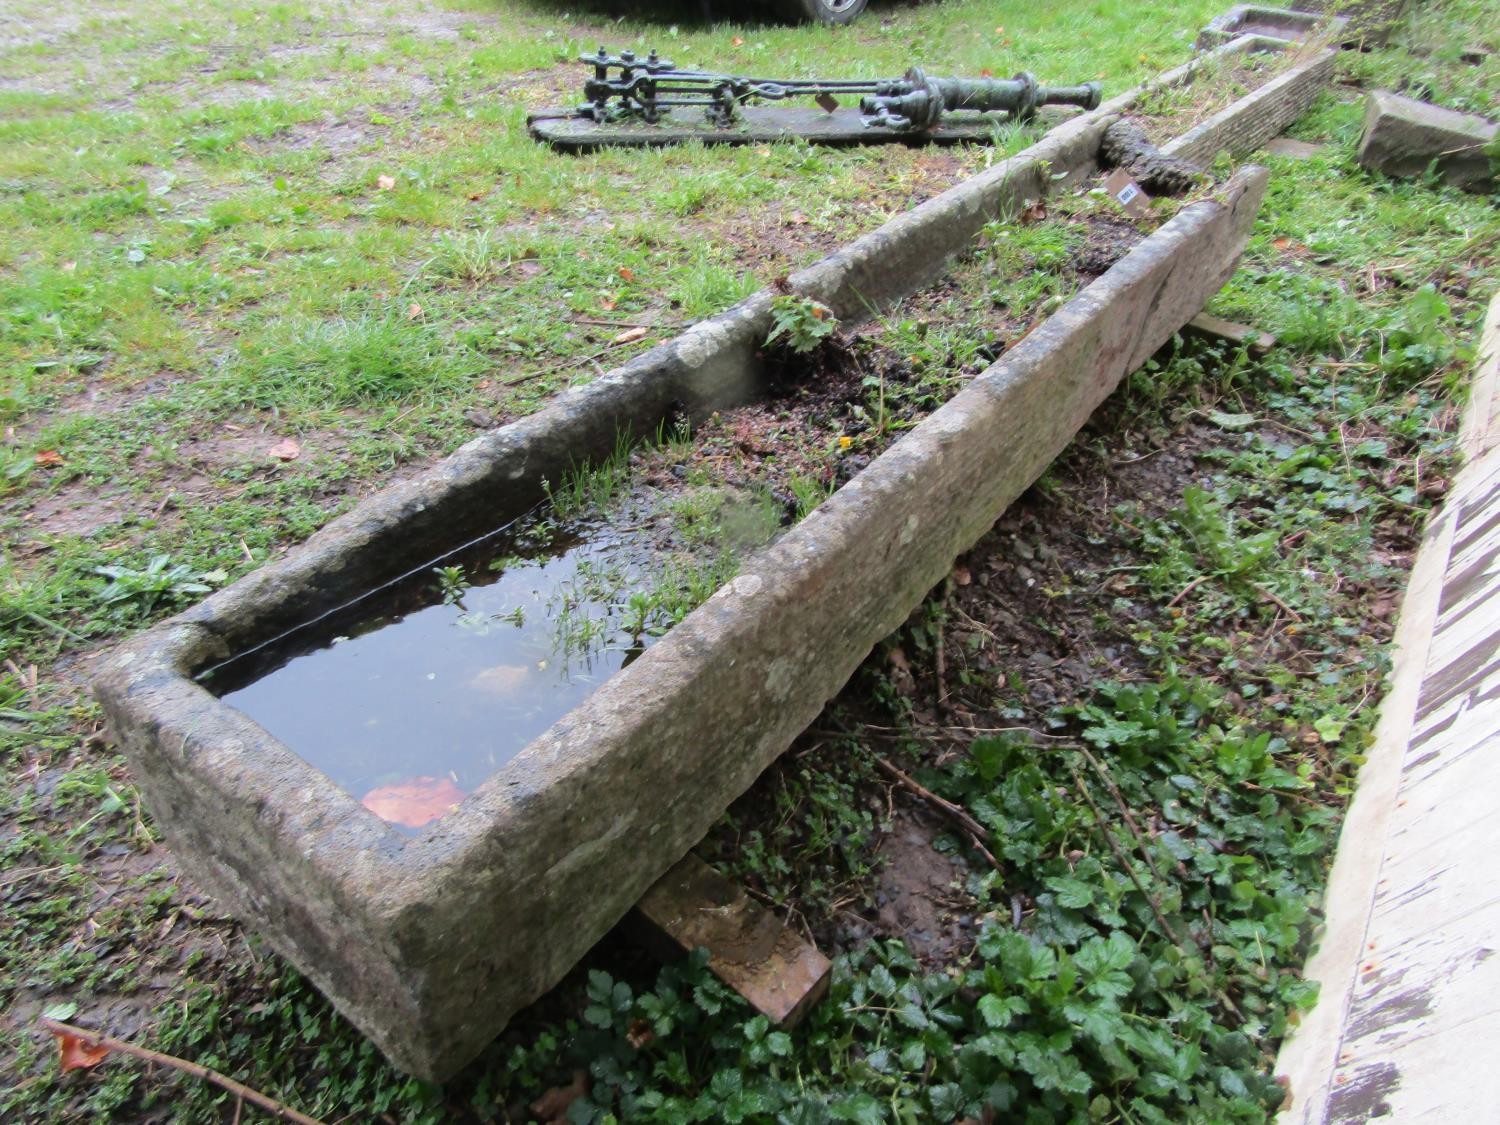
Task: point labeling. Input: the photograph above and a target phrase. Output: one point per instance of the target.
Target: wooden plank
(749, 948)
(1239, 335)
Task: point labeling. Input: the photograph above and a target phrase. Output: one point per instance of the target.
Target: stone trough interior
(429, 942)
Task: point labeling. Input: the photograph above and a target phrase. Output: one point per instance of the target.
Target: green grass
(198, 258)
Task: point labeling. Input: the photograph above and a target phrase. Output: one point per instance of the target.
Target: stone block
(1404, 137)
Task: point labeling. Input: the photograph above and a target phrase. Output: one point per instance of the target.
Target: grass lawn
(258, 261)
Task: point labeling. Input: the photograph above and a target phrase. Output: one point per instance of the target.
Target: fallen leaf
(986, 72)
(415, 802)
(76, 1053)
(640, 1034)
(286, 449)
(961, 576)
(552, 1107)
(630, 336)
(385, 183)
(607, 305)
(1034, 213)
(413, 311)
(475, 196)
(736, 42)
(1231, 422)
(502, 679)
(627, 273)
(48, 457)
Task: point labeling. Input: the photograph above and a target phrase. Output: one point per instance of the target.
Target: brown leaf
(414, 802)
(736, 42)
(1034, 212)
(630, 335)
(413, 311)
(627, 273)
(286, 449)
(76, 1053)
(552, 1107)
(961, 576)
(47, 457)
(607, 305)
(640, 1034)
(385, 183)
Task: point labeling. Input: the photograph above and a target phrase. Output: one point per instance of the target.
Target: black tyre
(823, 11)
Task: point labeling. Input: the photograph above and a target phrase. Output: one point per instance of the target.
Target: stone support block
(1405, 137)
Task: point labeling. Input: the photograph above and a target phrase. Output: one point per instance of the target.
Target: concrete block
(1404, 137)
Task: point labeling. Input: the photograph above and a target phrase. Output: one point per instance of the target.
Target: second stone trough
(430, 944)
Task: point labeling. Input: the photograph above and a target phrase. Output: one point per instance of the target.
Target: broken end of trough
(430, 944)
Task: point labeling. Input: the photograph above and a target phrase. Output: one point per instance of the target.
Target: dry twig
(971, 827)
(275, 1108)
(1114, 846)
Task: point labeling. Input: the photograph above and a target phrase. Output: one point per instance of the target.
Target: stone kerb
(1282, 25)
(1262, 114)
(428, 945)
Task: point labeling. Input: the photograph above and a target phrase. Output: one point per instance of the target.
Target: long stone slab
(430, 944)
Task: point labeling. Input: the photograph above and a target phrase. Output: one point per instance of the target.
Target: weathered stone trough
(430, 943)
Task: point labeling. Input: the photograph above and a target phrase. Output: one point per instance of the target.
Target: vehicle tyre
(823, 11)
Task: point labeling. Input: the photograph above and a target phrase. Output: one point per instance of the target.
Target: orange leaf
(607, 305)
(413, 311)
(736, 42)
(286, 449)
(385, 183)
(630, 336)
(552, 1107)
(627, 273)
(48, 457)
(415, 802)
(76, 1053)
(986, 72)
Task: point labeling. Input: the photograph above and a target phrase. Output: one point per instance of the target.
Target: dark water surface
(445, 685)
